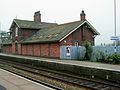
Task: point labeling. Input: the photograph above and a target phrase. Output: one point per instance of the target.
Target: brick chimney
(37, 17)
(82, 16)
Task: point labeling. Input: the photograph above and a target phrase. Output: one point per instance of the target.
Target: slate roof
(57, 33)
(31, 24)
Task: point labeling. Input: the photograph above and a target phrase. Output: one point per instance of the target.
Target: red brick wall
(30, 49)
(80, 35)
(10, 49)
(19, 49)
(88, 35)
(24, 48)
(55, 50)
(13, 48)
(44, 50)
(7, 49)
(25, 33)
(67, 41)
(36, 50)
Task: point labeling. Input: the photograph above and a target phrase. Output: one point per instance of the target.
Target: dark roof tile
(31, 24)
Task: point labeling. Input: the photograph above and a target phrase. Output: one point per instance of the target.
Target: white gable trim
(94, 30)
(16, 24)
(72, 31)
(12, 24)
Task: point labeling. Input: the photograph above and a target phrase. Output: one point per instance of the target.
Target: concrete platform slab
(10, 81)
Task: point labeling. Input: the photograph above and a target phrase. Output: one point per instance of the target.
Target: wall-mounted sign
(68, 51)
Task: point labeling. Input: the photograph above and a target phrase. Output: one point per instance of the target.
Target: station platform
(72, 62)
(10, 81)
(93, 69)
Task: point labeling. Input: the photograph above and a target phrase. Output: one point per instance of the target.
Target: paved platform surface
(73, 62)
(10, 81)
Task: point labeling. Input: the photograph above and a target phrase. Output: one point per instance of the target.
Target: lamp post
(115, 24)
(115, 16)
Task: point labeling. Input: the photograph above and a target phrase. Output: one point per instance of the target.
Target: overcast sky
(100, 13)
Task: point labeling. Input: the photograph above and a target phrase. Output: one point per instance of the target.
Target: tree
(3, 36)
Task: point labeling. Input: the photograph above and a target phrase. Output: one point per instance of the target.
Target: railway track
(65, 77)
(12, 68)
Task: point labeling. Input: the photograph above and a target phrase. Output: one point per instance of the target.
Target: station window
(16, 31)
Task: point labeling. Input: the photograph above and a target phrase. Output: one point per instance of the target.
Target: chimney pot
(82, 16)
(37, 17)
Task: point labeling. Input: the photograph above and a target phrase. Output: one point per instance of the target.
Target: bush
(102, 56)
(0, 50)
(89, 50)
(113, 59)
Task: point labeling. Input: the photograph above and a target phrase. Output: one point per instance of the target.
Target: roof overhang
(35, 42)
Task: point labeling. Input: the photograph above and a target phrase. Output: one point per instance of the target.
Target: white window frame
(16, 31)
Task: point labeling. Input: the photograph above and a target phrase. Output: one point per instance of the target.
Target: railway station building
(37, 38)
